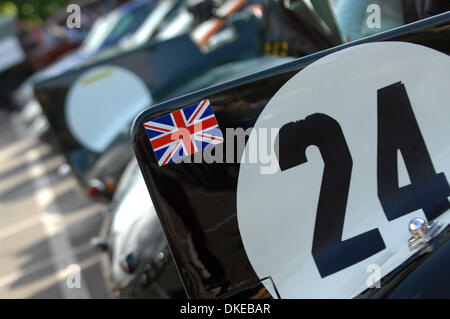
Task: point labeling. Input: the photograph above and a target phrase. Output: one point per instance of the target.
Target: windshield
(99, 32)
(129, 23)
(153, 21)
(109, 30)
(175, 25)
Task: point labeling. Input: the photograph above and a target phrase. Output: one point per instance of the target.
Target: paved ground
(46, 223)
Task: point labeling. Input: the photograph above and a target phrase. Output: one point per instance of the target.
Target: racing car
(92, 125)
(325, 177)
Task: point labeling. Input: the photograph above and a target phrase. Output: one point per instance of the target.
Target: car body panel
(198, 203)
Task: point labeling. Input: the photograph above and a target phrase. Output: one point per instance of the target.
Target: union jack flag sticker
(183, 132)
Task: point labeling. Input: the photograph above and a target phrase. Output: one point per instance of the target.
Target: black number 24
(397, 130)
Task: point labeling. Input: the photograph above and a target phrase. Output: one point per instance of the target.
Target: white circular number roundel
(102, 102)
(363, 149)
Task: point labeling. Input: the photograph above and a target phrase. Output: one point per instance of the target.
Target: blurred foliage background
(31, 12)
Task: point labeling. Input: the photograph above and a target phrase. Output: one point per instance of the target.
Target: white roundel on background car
(102, 102)
(363, 133)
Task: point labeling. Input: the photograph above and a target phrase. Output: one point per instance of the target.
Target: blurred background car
(48, 42)
(130, 26)
(45, 43)
(106, 32)
(147, 74)
(139, 258)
